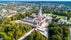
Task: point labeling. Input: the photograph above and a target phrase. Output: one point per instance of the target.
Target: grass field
(0, 38)
(69, 20)
(63, 17)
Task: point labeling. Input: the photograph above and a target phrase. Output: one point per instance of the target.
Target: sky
(35, 0)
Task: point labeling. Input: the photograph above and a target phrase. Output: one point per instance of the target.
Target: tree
(56, 37)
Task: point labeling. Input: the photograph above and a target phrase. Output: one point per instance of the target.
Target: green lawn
(49, 14)
(63, 17)
(69, 20)
(56, 15)
(0, 38)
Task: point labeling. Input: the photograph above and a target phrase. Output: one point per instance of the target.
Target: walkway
(70, 34)
(44, 32)
(27, 34)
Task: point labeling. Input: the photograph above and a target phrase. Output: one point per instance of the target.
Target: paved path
(70, 34)
(27, 34)
(44, 32)
(42, 29)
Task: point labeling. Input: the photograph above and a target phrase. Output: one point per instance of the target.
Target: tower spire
(40, 11)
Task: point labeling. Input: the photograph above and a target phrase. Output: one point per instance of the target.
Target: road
(27, 34)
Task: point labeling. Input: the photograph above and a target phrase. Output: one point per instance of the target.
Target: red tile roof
(38, 19)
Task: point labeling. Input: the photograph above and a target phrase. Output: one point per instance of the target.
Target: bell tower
(40, 12)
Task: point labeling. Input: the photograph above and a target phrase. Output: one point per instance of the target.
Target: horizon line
(35, 0)
(46, 1)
